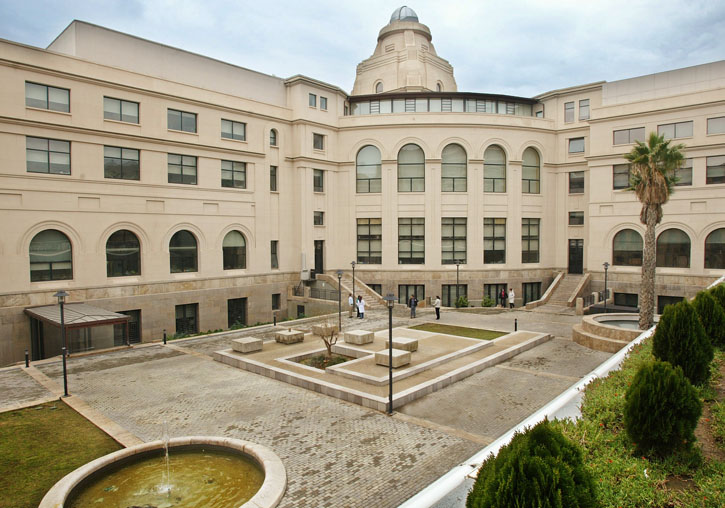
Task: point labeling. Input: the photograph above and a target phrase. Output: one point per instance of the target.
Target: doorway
(576, 255)
(319, 256)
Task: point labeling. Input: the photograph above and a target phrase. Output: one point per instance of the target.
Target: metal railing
(300, 289)
(588, 300)
(324, 294)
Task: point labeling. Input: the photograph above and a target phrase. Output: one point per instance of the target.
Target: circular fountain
(607, 332)
(188, 471)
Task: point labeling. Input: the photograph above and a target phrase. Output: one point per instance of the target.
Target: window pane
(129, 111)
(576, 145)
(668, 131)
(673, 249)
(174, 119)
(58, 99)
(36, 96)
(683, 129)
(716, 125)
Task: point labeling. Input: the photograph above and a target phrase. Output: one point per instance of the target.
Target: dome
(404, 13)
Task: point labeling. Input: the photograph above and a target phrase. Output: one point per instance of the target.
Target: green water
(212, 479)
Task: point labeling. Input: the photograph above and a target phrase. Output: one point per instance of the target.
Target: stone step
(596, 342)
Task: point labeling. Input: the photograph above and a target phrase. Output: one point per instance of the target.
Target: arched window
(531, 172)
(123, 254)
(411, 169)
(627, 248)
(379, 87)
(673, 249)
(715, 249)
(182, 252)
(439, 87)
(234, 249)
(273, 137)
(453, 169)
(368, 169)
(51, 256)
(494, 169)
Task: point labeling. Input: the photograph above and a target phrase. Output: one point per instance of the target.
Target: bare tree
(329, 335)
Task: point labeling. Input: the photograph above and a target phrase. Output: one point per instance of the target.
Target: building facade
(192, 194)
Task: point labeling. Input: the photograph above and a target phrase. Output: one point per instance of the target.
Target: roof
(76, 315)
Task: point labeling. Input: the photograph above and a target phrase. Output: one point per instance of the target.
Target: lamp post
(390, 300)
(61, 296)
(339, 301)
(606, 293)
(458, 264)
(353, 284)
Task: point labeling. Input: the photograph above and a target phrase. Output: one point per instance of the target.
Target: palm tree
(652, 179)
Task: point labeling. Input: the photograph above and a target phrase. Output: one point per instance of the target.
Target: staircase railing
(547, 294)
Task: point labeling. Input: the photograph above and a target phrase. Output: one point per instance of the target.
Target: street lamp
(61, 296)
(339, 301)
(606, 293)
(458, 264)
(353, 284)
(390, 300)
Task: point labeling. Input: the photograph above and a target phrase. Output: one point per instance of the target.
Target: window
(274, 254)
(234, 174)
(411, 169)
(369, 241)
(584, 109)
(47, 156)
(51, 256)
(576, 218)
(182, 169)
(121, 163)
(675, 130)
(318, 141)
(312, 100)
(411, 241)
(323, 103)
(715, 169)
(378, 288)
(273, 137)
(405, 291)
(123, 254)
(439, 87)
(627, 248)
(626, 136)
(451, 293)
(539, 114)
(531, 291)
(318, 218)
(494, 169)
(368, 170)
(181, 121)
(576, 145)
(576, 182)
(453, 169)
(494, 240)
(318, 180)
(236, 312)
(621, 173)
(568, 112)
(47, 97)
(186, 319)
(453, 240)
(276, 301)
(234, 251)
(273, 178)
(493, 291)
(673, 249)
(183, 252)
(378, 87)
(531, 172)
(716, 125)
(626, 299)
(715, 249)
(530, 240)
(234, 130)
(684, 173)
(663, 301)
(120, 110)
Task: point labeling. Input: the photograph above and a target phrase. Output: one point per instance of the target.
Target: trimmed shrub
(540, 468)
(462, 301)
(661, 409)
(712, 317)
(719, 293)
(487, 302)
(681, 340)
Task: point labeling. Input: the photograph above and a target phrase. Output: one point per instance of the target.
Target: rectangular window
(186, 319)
(120, 110)
(181, 121)
(312, 100)
(663, 301)
(684, 173)
(621, 175)
(411, 241)
(274, 254)
(121, 163)
(493, 291)
(584, 109)
(234, 174)
(323, 103)
(626, 136)
(626, 299)
(47, 156)
(234, 130)
(369, 241)
(276, 301)
(494, 240)
(568, 112)
(182, 169)
(453, 240)
(576, 145)
(675, 130)
(318, 141)
(318, 180)
(716, 125)
(236, 312)
(576, 182)
(532, 291)
(715, 169)
(319, 218)
(530, 240)
(378, 288)
(405, 291)
(273, 178)
(47, 97)
(451, 294)
(576, 218)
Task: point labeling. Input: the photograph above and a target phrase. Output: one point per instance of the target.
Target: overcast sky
(516, 47)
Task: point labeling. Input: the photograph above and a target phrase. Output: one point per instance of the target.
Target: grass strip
(461, 331)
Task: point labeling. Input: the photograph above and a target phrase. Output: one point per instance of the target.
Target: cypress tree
(712, 317)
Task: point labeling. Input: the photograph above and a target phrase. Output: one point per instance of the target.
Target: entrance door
(319, 260)
(576, 256)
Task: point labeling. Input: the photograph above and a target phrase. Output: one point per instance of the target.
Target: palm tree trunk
(649, 260)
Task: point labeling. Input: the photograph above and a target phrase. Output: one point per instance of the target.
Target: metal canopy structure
(77, 315)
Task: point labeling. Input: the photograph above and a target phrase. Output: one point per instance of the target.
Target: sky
(514, 47)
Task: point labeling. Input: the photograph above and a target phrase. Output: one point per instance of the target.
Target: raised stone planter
(247, 345)
(400, 358)
(289, 336)
(359, 337)
(404, 343)
(324, 330)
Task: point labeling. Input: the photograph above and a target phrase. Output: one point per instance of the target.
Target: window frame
(184, 118)
(49, 155)
(232, 253)
(716, 121)
(318, 218)
(715, 251)
(312, 100)
(684, 173)
(122, 165)
(414, 254)
(122, 265)
(582, 108)
(631, 135)
(273, 178)
(187, 317)
(448, 172)
(413, 181)
(318, 180)
(318, 141)
(576, 218)
(492, 166)
(65, 273)
(273, 138)
(715, 179)
(627, 257)
(233, 130)
(454, 239)
(675, 127)
(179, 259)
(369, 234)
(569, 109)
(48, 89)
(274, 254)
(578, 188)
(572, 145)
(323, 103)
(238, 173)
(373, 183)
(618, 169)
(531, 185)
(181, 165)
(405, 291)
(121, 103)
(670, 258)
(497, 238)
(529, 255)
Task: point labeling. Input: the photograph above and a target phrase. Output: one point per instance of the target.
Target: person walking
(437, 305)
(412, 303)
(361, 307)
(502, 297)
(351, 303)
(512, 297)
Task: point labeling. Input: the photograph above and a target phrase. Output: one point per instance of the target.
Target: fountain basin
(269, 494)
(607, 332)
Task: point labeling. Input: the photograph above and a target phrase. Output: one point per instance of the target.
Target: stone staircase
(372, 299)
(561, 295)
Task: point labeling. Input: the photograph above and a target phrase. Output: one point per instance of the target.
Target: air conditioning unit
(305, 275)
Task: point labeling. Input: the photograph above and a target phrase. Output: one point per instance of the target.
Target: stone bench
(400, 357)
(289, 336)
(404, 343)
(247, 345)
(324, 330)
(359, 337)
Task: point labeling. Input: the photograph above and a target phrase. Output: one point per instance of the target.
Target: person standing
(361, 307)
(502, 297)
(512, 297)
(351, 303)
(412, 303)
(437, 305)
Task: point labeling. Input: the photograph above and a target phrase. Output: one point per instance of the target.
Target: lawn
(41, 444)
(461, 331)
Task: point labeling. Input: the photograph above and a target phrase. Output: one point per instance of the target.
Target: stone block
(247, 345)
(289, 336)
(359, 337)
(404, 343)
(325, 330)
(400, 357)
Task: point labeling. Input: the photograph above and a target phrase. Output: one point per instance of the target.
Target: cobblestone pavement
(24, 389)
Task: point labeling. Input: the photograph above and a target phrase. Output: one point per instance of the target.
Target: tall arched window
(494, 169)
(123, 254)
(439, 87)
(411, 169)
(673, 249)
(531, 172)
(182, 252)
(379, 87)
(715, 249)
(627, 248)
(273, 137)
(453, 169)
(51, 256)
(234, 249)
(368, 169)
